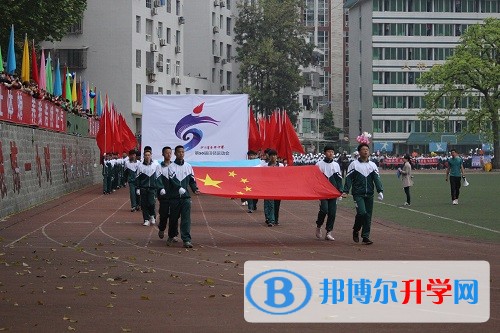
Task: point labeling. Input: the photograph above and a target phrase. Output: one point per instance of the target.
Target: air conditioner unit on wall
(157, 3)
(222, 4)
(216, 58)
(176, 80)
(152, 77)
(154, 47)
(216, 29)
(163, 42)
(224, 61)
(222, 88)
(154, 11)
(216, 3)
(177, 49)
(182, 20)
(159, 64)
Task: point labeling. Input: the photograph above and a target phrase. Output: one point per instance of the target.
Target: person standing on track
(181, 176)
(363, 177)
(406, 178)
(146, 184)
(455, 172)
(164, 200)
(328, 207)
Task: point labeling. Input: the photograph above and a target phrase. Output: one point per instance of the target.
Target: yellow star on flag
(244, 180)
(232, 173)
(248, 188)
(210, 182)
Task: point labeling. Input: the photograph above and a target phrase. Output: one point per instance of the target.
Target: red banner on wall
(20, 108)
(93, 127)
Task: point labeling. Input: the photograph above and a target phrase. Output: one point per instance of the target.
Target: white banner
(210, 127)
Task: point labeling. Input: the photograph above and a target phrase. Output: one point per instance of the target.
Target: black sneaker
(161, 234)
(188, 245)
(132, 209)
(250, 211)
(367, 241)
(270, 224)
(355, 236)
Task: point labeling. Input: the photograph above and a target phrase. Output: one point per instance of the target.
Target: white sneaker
(406, 204)
(152, 220)
(146, 223)
(329, 236)
(318, 232)
(455, 202)
(244, 203)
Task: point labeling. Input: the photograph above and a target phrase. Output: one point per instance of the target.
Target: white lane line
(90, 233)
(77, 222)
(209, 228)
(42, 227)
(442, 217)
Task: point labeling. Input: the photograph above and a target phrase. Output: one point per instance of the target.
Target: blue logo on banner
(438, 146)
(383, 146)
(278, 291)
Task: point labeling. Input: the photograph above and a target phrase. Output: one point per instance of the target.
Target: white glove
(182, 191)
(381, 196)
(138, 192)
(162, 191)
(339, 199)
(399, 169)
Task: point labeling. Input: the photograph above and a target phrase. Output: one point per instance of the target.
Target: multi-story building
(391, 43)
(131, 48)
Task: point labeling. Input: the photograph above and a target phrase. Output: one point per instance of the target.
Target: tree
(326, 126)
(472, 72)
(271, 48)
(41, 20)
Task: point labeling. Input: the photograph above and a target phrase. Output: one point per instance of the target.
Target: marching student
(455, 172)
(328, 207)
(363, 176)
(181, 176)
(130, 173)
(107, 173)
(146, 186)
(272, 207)
(164, 200)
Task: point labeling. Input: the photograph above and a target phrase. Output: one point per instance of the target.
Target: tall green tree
(472, 72)
(326, 126)
(271, 48)
(40, 19)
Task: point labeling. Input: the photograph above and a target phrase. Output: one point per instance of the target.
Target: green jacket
(363, 177)
(181, 175)
(147, 176)
(331, 170)
(163, 181)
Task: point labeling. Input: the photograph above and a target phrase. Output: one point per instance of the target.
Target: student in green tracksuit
(328, 207)
(107, 173)
(130, 174)
(181, 176)
(146, 183)
(363, 176)
(164, 200)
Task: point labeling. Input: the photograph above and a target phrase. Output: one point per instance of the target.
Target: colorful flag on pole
(67, 90)
(34, 65)
(290, 183)
(48, 75)
(57, 80)
(74, 94)
(42, 84)
(1, 60)
(11, 54)
(25, 66)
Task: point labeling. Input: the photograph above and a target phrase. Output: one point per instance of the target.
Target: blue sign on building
(383, 146)
(438, 147)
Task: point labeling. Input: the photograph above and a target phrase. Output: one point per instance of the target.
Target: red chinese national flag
(289, 183)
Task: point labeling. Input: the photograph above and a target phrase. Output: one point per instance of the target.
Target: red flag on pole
(103, 137)
(34, 65)
(290, 183)
(254, 142)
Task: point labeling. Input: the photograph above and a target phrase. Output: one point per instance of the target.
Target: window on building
(138, 24)
(214, 20)
(169, 35)
(167, 67)
(213, 75)
(177, 38)
(150, 59)
(228, 52)
(177, 68)
(228, 80)
(159, 64)
(228, 4)
(221, 49)
(169, 92)
(221, 76)
(168, 4)
(378, 126)
(148, 3)
(76, 28)
(160, 30)
(188, 91)
(196, 91)
(205, 92)
(221, 22)
(177, 7)
(149, 90)
(149, 30)
(73, 58)
(138, 58)
(160, 90)
(214, 47)
(138, 92)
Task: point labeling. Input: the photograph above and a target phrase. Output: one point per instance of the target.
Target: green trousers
(363, 219)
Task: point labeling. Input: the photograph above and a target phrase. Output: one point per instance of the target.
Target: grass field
(431, 208)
